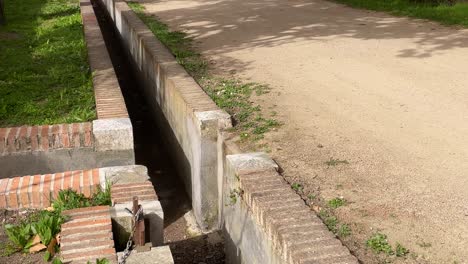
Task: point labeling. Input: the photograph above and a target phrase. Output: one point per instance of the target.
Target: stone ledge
(113, 134)
(295, 231)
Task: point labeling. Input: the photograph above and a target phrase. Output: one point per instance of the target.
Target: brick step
(124, 193)
(85, 239)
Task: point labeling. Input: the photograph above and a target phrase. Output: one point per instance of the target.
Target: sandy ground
(387, 94)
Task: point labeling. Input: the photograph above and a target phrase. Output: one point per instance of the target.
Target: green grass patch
(379, 244)
(337, 202)
(440, 11)
(231, 95)
(44, 76)
(335, 162)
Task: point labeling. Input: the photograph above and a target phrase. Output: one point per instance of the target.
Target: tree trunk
(2, 13)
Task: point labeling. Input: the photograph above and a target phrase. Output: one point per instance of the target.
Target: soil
(15, 217)
(387, 94)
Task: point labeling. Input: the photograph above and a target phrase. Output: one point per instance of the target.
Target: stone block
(113, 134)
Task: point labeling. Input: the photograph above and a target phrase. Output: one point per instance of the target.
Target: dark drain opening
(151, 152)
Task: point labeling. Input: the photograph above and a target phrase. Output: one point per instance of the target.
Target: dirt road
(387, 94)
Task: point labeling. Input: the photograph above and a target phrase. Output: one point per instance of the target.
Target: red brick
(91, 254)
(21, 141)
(106, 243)
(95, 179)
(86, 210)
(12, 197)
(86, 237)
(35, 191)
(77, 175)
(24, 195)
(34, 139)
(65, 136)
(11, 139)
(46, 190)
(90, 215)
(87, 230)
(86, 189)
(3, 186)
(45, 138)
(55, 136)
(57, 184)
(67, 180)
(87, 135)
(76, 135)
(86, 223)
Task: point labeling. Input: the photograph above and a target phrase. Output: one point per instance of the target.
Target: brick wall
(37, 191)
(45, 138)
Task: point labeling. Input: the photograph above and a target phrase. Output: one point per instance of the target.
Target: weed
(334, 162)
(311, 196)
(297, 187)
(424, 244)
(45, 77)
(400, 251)
(344, 230)
(378, 243)
(331, 222)
(7, 249)
(337, 202)
(233, 195)
(48, 226)
(20, 235)
(70, 199)
(100, 261)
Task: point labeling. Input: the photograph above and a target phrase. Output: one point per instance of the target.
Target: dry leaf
(37, 248)
(50, 209)
(51, 246)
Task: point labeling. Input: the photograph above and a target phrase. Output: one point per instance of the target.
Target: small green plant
(100, 261)
(70, 199)
(334, 162)
(297, 187)
(337, 202)
(400, 251)
(378, 243)
(311, 196)
(424, 244)
(20, 235)
(57, 261)
(48, 226)
(344, 230)
(233, 195)
(331, 222)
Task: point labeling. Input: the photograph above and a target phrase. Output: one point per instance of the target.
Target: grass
(444, 13)
(337, 202)
(335, 162)
(378, 243)
(297, 187)
(230, 94)
(44, 76)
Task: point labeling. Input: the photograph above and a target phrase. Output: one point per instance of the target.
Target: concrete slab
(157, 255)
